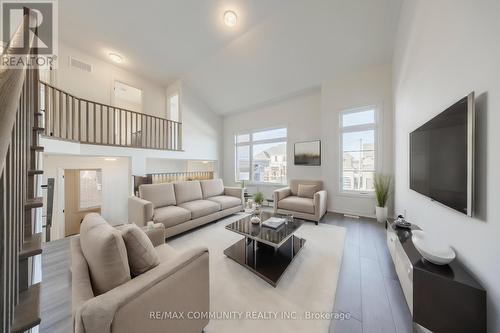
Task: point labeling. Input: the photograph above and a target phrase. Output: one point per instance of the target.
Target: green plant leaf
(258, 198)
(382, 185)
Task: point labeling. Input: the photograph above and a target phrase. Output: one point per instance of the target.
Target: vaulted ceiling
(278, 47)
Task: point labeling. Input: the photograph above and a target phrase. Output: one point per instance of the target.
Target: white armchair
(305, 199)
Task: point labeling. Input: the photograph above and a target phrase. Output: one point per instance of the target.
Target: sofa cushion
(212, 188)
(104, 250)
(187, 191)
(297, 204)
(160, 195)
(294, 185)
(171, 215)
(226, 201)
(199, 208)
(140, 251)
(306, 191)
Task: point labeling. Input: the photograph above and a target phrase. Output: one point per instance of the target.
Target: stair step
(31, 246)
(35, 172)
(27, 311)
(33, 203)
(37, 148)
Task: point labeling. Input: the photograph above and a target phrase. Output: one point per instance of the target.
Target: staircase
(19, 148)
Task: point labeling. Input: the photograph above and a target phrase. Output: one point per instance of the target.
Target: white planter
(381, 213)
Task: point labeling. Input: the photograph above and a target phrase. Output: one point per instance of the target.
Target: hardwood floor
(55, 295)
(368, 288)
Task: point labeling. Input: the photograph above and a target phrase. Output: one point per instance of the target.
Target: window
(90, 188)
(358, 146)
(173, 107)
(261, 156)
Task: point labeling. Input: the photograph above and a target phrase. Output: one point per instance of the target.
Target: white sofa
(304, 199)
(184, 205)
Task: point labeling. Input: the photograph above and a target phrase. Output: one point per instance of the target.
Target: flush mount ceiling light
(230, 18)
(110, 159)
(116, 58)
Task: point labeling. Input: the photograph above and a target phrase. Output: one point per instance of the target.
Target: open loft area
(239, 166)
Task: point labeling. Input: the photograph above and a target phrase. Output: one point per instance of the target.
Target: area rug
(240, 301)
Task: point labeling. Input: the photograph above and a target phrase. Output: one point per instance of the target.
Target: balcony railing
(71, 118)
(170, 177)
(155, 178)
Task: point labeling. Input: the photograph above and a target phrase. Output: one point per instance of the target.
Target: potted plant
(382, 184)
(258, 198)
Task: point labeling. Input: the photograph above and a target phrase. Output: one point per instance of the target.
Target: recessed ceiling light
(230, 18)
(110, 159)
(115, 58)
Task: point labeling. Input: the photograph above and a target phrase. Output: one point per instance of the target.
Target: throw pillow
(306, 191)
(104, 249)
(141, 253)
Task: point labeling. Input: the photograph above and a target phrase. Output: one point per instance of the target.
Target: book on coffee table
(273, 222)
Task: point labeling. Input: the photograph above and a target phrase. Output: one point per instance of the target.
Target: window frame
(85, 209)
(250, 143)
(376, 145)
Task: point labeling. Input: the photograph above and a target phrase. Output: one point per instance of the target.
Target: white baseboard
(352, 213)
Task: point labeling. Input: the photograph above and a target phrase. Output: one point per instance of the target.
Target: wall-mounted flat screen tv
(442, 156)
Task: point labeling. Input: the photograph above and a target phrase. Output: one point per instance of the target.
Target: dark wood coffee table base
(266, 261)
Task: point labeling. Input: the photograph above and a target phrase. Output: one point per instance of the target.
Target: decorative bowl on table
(255, 219)
(432, 248)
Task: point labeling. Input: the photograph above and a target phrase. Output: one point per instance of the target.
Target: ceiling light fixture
(116, 58)
(111, 159)
(230, 18)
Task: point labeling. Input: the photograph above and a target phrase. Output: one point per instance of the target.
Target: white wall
(98, 85)
(445, 50)
(300, 114)
(365, 88)
(202, 127)
(159, 165)
(116, 186)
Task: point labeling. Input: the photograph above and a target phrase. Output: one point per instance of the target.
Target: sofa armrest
(319, 204)
(140, 211)
(237, 192)
(156, 233)
(280, 194)
(177, 285)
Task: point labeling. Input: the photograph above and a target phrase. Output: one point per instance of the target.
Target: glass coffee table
(265, 251)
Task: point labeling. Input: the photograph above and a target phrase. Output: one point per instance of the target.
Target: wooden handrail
(102, 104)
(11, 85)
(72, 118)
